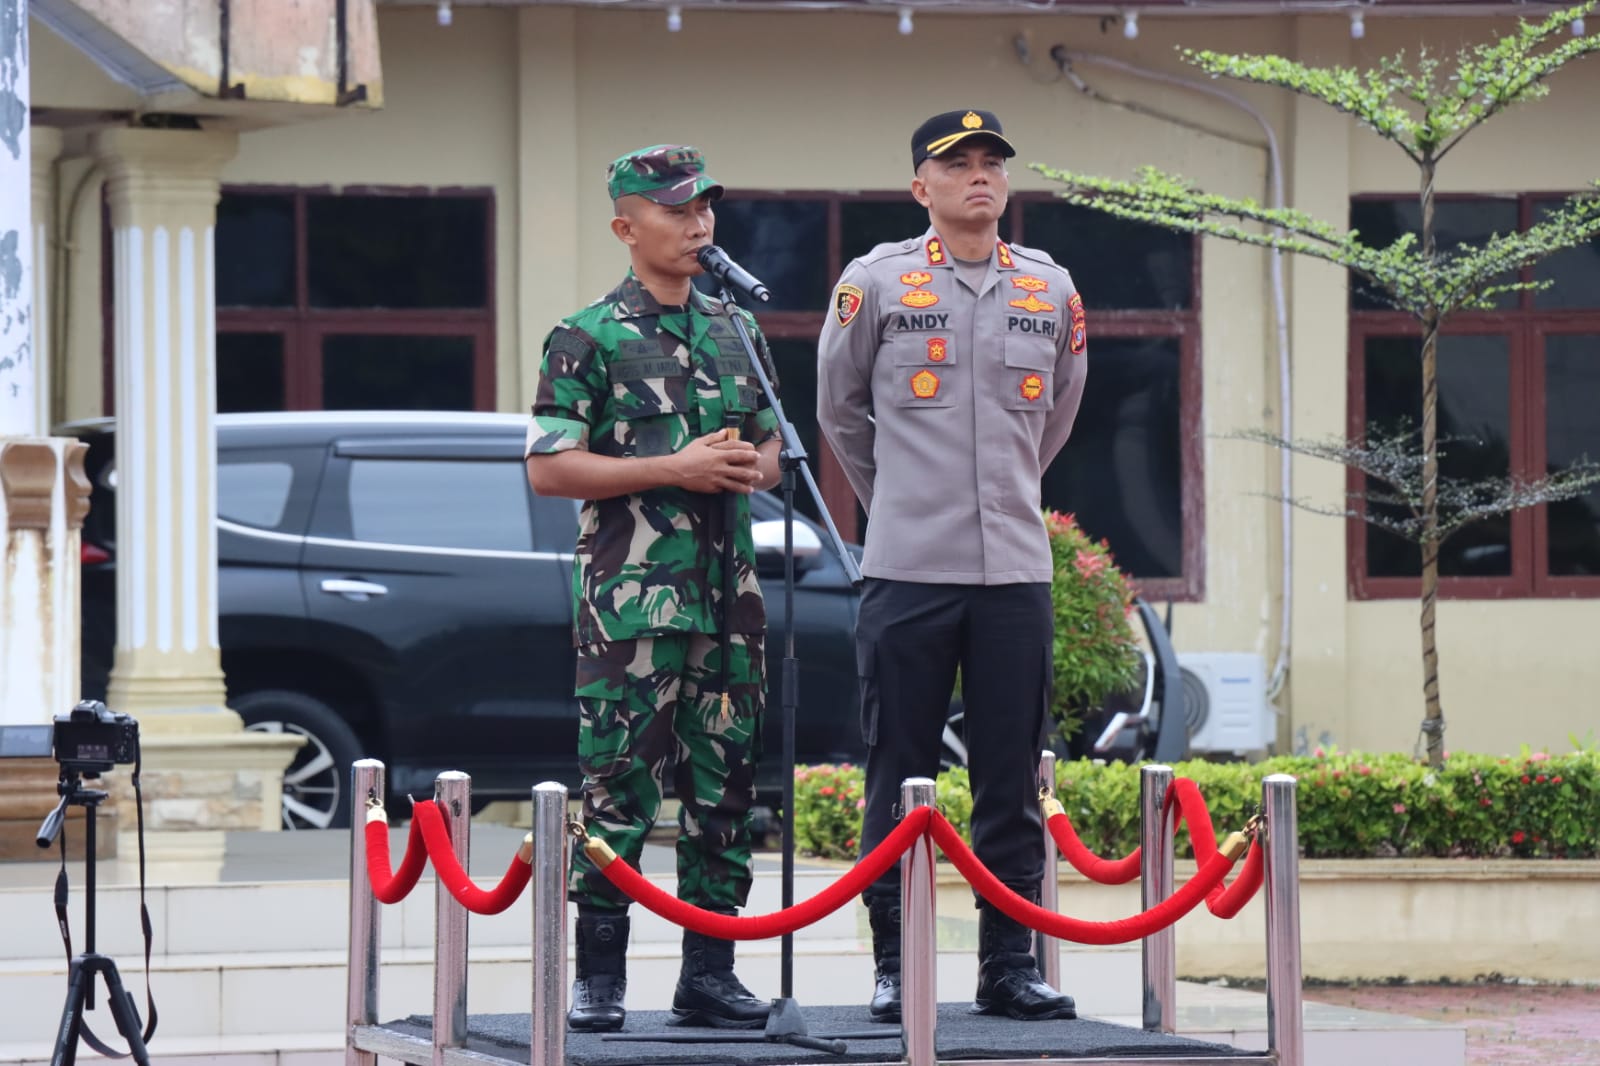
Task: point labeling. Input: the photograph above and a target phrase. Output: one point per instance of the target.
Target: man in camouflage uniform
(950, 370)
(646, 409)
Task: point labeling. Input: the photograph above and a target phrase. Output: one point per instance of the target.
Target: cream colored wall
(534, 101)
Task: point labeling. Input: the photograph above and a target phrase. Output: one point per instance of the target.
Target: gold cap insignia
(972, 121)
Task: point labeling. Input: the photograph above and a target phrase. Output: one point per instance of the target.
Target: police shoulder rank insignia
(1032, 387)
(1033, 305)
(1080, 335)
(1005, 255)
(1029, 283)
(935, 252)
(916, 279)
(938, 349)
(846, 302)
(924, 384)
(920, 298)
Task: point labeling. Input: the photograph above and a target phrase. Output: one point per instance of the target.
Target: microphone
(716, 263)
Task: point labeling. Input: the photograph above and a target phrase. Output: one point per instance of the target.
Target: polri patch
(916, 279)
(1029, 283)
(938, 349)
(1080, 335)
(846, 302)
(1032, 387)
(924, 384)
(920, 298)
(1033, 305)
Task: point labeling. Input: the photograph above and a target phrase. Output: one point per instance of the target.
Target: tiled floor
(1507, 1024)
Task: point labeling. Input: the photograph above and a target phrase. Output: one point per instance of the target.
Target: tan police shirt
(945, 405)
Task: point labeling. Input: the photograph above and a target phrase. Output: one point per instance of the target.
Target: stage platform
(962, 1037)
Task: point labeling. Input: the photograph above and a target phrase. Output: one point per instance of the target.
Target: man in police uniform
(951, 367)
(646, 409)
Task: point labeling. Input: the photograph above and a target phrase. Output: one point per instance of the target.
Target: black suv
(390, 587)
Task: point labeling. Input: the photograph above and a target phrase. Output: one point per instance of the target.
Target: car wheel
(316, 786)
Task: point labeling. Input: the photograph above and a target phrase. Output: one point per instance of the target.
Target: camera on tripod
(92, 739)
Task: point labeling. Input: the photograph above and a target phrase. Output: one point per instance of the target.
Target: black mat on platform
(961, 1036)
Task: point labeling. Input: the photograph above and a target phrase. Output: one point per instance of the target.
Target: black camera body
(92, 738)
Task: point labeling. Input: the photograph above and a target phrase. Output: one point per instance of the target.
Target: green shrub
(1348, 804)
(1096, 653)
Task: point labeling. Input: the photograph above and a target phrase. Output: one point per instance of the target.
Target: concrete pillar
(46, 142)
(162, 187)
(18, 361)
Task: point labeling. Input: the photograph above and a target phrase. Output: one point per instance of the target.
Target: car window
(440, 503)
(254, 494)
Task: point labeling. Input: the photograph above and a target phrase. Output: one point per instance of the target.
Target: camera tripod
(88, 963)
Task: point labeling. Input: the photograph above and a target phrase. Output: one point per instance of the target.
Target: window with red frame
(1132, 470)
(1518, 385)
(365, 298)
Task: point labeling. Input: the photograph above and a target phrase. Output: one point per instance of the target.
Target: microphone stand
(786, 1024)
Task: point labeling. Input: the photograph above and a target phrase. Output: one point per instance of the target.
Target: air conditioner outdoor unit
(1225, 700)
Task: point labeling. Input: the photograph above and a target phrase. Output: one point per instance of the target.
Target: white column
(18, 362)
(162, 187)
(46, 147)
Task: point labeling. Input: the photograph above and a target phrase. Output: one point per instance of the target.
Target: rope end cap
(599, 852)
(525, 853)
(376, 813)
(1051, 807)
(1236, 845)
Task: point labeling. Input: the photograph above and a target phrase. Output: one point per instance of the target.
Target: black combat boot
(1008, 978)
(602, 952)
(884, 914)
(708, 993)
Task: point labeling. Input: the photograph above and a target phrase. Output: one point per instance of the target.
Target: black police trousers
(910, 638)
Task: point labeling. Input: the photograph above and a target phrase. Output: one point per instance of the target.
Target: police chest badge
(938, 349)
(846, 302)
(1032, 387)
(924, 384)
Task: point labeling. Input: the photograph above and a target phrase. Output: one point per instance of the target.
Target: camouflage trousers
(642, 702)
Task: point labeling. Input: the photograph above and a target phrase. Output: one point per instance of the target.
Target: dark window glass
(255, 250)
(397, 251)
(396, 373)
(1121, 473)
(250, 372)
(864, 224)
(1455, 222)
(1575, 274)
(1571, 393)
(797, 391)
(782, 242)
(1474, 443)
(1115, 264)
(441, 504)
(254, 494)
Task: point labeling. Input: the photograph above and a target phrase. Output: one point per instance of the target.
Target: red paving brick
(1506, 1024)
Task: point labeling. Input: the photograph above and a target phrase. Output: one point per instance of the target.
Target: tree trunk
(1433, 719)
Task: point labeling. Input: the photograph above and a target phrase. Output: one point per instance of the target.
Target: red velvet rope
(393, 887)
(1105, 871)
(437, 836)
(1223, 901)
(1060, 926)
(778, 923)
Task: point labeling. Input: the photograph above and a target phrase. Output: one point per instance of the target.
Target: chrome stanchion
(366, 918)
(452, 791)
(547, 1044)
(1047, 949)
(1285, 1027)
(1155, 885)
(919, 994)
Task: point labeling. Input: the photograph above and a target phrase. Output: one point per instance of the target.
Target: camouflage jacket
(628, 377)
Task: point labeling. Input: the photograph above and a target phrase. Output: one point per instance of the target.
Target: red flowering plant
(1096, 653)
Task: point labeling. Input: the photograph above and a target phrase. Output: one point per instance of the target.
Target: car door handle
(352, 590)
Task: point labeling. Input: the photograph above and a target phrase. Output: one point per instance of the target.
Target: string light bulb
(1358, 24)
(1578, 28)
(905, 22)
(443, 14)
(1130, 25)
(674, 18)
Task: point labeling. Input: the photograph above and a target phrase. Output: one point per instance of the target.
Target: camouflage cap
(666, 173)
